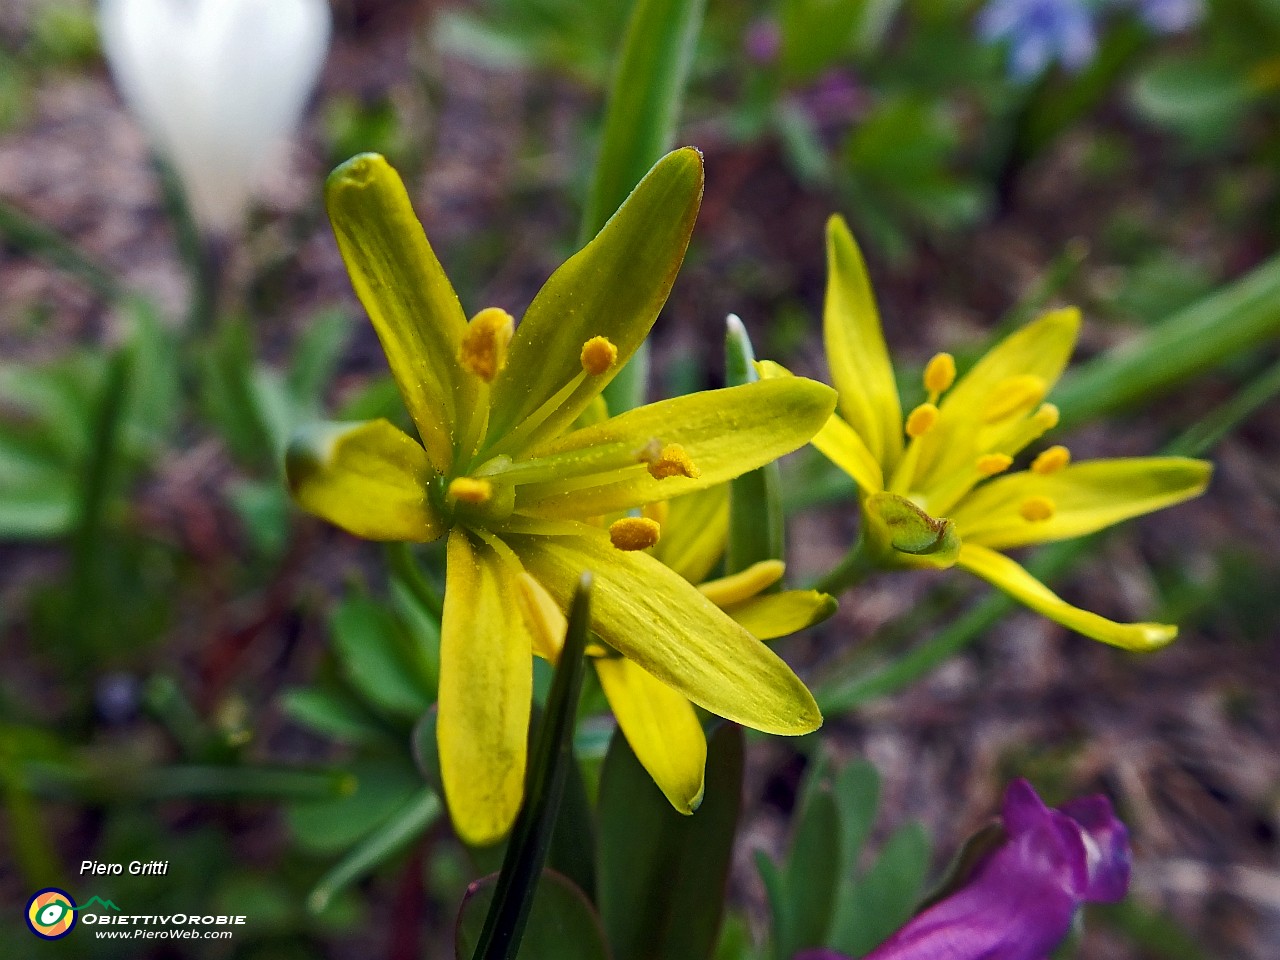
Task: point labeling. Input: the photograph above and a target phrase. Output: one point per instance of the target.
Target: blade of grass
(34, 238)
(1242, 315)
(639, 127)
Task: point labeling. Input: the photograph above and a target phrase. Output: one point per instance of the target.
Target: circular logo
(51, 913)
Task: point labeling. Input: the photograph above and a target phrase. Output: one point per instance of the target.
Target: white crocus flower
(219, 86)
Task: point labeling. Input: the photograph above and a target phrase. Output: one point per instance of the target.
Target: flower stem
(850, 571)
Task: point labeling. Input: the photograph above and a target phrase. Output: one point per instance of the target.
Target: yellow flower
(658, 721)
(934, 485)
(503, 473)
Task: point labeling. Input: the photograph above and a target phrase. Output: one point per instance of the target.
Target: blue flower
(1040, 32)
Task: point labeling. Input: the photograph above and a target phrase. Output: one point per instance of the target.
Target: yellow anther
(989, 464)
(1051, 460)
(1037, 508)
(634, 533)
(483, 351)
(939, 374)
(743, 585)
(671, 461)
(470, 490)
(598, 355)
(921, 420)
(1047, 417)
(1013, 396)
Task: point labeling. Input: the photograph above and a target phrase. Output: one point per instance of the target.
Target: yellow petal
(613, 288)
(652, 616)
(724, 433)
(409, 299)
(695, 532)
(856, 352)
(773, 615)
(1082, 498)
(1037, 352)
(486, 686)
(547, 624)
(837, 441)
(1008, 576)
(661, 727)
(368, 478)
(744, 584)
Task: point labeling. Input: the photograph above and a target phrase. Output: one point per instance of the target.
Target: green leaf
(314, 358)
(662, 874)
(379, 658)
(562, 923)
(1193, 93)
(755, 503)
(399, 830)
(331, 715)
(645, 96)
(549, 762)
(857, 792)
(885, 897)
(811, 875)
(1240, 316)
(330, 826)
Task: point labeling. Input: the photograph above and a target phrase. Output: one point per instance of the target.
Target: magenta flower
(1021, 899)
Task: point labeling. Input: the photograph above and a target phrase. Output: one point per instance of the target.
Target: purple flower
(1020, 900)
(763, 42)
(1040, 32)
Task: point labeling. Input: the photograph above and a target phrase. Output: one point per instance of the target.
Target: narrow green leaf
(812, 875)
(1237, 317)
(35, 238)
(884, 898)
(330, 715)
(333, 825)
(857, 791)
(755, 504)
(562, 923)
(645, 96)
(402, 828)
(663, 875)
(549, 762)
